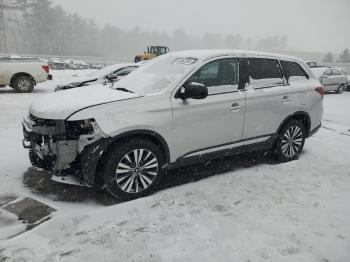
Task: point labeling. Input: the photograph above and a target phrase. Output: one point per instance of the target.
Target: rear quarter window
(293, 71)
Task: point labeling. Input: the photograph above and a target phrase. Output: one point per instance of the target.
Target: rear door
(269, 99)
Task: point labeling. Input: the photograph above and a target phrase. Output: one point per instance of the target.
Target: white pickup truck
(23, 74)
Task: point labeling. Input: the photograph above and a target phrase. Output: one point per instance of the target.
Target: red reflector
(46, 68)
(321, 90)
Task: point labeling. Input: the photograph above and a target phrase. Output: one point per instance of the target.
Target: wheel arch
(299, 115)
(141, 133)
(21, 74)
(147, 134)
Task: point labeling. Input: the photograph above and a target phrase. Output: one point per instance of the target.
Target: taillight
(321, 90)
(46, 68)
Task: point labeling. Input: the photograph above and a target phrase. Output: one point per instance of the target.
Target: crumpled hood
(60, 105)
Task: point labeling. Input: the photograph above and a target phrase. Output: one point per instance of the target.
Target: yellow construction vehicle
(152, 52)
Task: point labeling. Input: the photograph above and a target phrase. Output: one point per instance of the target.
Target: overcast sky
(311, 25)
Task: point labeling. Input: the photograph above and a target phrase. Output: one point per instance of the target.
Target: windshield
(105, 71)
(158, 74)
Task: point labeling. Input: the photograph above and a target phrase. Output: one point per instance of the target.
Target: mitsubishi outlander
(179, 108)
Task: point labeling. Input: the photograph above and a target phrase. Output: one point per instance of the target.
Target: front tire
(133, 169)
(23, 84)
(290, 141)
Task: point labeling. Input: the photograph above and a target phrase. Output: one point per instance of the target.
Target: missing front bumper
(70, 161)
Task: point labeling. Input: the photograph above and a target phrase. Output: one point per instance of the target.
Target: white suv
(180, 108)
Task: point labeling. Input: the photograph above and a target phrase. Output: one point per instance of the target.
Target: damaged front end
(68, 149)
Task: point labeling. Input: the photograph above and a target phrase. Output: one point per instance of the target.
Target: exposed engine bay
(56, 145)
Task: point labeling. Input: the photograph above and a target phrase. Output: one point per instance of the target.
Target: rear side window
(264, 72)
(336, 72)
(293, 71)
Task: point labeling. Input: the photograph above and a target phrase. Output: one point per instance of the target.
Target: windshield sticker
(185, 60)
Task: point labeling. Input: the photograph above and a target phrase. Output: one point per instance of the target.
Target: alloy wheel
(292, 141)
(136, 171)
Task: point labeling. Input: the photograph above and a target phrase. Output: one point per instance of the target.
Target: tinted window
(264, 72)
(293, 71)
(219, 76)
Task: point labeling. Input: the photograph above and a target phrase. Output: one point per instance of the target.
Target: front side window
(328, 72)
(264, 72)
(293, 71)
(218, 76)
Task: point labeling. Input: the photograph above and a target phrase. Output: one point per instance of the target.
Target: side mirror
(112, 77)
(193, 90)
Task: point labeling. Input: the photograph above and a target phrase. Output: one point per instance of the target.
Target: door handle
(286, 99)
(235, 107)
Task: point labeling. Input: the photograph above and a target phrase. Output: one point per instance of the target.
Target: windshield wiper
(124, 89)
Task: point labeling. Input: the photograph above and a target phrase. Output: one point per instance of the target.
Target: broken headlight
(75, 129)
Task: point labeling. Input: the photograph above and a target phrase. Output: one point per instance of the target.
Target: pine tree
(328, 58)
(5, 6)
(344, 57)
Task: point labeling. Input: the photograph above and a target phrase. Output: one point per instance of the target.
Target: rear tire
(340, 89)
(133, 169)
(290, 141)
(23, 84)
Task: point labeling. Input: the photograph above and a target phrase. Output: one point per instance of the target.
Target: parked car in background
(23, 74)
(108, 73)
(347, 74)
(80, 64)
(180, 108)
(331, 78)
(312, 64)
(96, 66)
(57, 64)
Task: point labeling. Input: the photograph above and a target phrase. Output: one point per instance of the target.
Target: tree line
(343, 58)
(38, 27)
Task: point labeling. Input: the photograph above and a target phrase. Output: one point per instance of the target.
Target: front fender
(152, 114)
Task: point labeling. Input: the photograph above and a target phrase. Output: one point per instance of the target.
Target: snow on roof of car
(209, 53)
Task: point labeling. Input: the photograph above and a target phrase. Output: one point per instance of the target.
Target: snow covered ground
(245, 208)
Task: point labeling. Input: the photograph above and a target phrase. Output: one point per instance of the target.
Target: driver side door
(215, 123)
